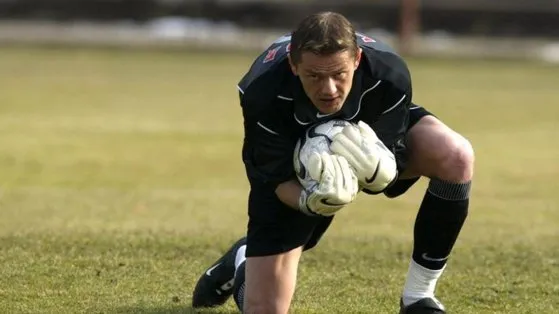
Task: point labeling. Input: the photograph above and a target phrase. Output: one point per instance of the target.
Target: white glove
(337, 185)
(374, 164)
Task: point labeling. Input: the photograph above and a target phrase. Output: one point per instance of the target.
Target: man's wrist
(303, 204)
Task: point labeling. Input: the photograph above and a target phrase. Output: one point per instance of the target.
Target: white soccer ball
(317, 138)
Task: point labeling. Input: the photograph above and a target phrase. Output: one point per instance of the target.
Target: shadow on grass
(172, 309)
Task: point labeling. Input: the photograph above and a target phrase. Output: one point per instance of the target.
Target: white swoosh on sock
(431, 259)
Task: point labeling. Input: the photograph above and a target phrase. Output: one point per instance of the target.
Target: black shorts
(275, 228)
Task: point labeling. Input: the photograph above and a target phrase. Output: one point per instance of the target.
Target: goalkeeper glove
(374, 164)
(337, 185)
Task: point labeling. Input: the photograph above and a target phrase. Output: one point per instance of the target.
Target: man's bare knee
(458, 165)
(439, 152)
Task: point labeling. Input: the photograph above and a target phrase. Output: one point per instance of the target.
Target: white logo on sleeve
(209, 271)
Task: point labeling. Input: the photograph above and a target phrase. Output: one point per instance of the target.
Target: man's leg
(262, 274)
(447, 159)
(269, 283)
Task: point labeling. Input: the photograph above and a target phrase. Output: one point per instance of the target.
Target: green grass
(115, 193)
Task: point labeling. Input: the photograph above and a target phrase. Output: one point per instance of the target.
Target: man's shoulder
(370, 42)
(269, 68)
(384, 63)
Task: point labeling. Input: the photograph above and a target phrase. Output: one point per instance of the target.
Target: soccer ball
(317, 138)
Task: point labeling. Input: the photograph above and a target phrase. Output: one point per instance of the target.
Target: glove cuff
(371, 192)
(303, 206)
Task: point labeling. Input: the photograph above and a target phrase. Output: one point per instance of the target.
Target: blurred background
(121, 177)
(512, 28)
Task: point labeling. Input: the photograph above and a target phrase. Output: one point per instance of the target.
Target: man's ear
(291, 64)
(358, 58)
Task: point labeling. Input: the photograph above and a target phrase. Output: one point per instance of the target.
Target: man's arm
(376, 149)
(268, 163)
(392, 124)
(289, 192)
(268, 157)
(267, 150)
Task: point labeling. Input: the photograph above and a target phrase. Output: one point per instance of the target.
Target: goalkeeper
(325, 70)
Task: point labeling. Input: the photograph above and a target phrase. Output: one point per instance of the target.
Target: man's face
(327, 79)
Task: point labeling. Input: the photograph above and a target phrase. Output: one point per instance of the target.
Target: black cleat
(215, 286)
(423, 306)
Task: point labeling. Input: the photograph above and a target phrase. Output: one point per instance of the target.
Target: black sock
(439, 221)
(239, 286)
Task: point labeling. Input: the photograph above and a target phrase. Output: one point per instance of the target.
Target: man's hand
(374, 164)
(337, 185)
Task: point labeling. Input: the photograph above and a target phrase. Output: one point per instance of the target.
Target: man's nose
(329, 86)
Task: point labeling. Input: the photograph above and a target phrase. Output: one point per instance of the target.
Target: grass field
(115, 191)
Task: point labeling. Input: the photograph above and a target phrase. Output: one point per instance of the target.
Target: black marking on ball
(312, 133)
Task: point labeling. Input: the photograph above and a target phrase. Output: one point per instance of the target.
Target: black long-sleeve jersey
(277, 111)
